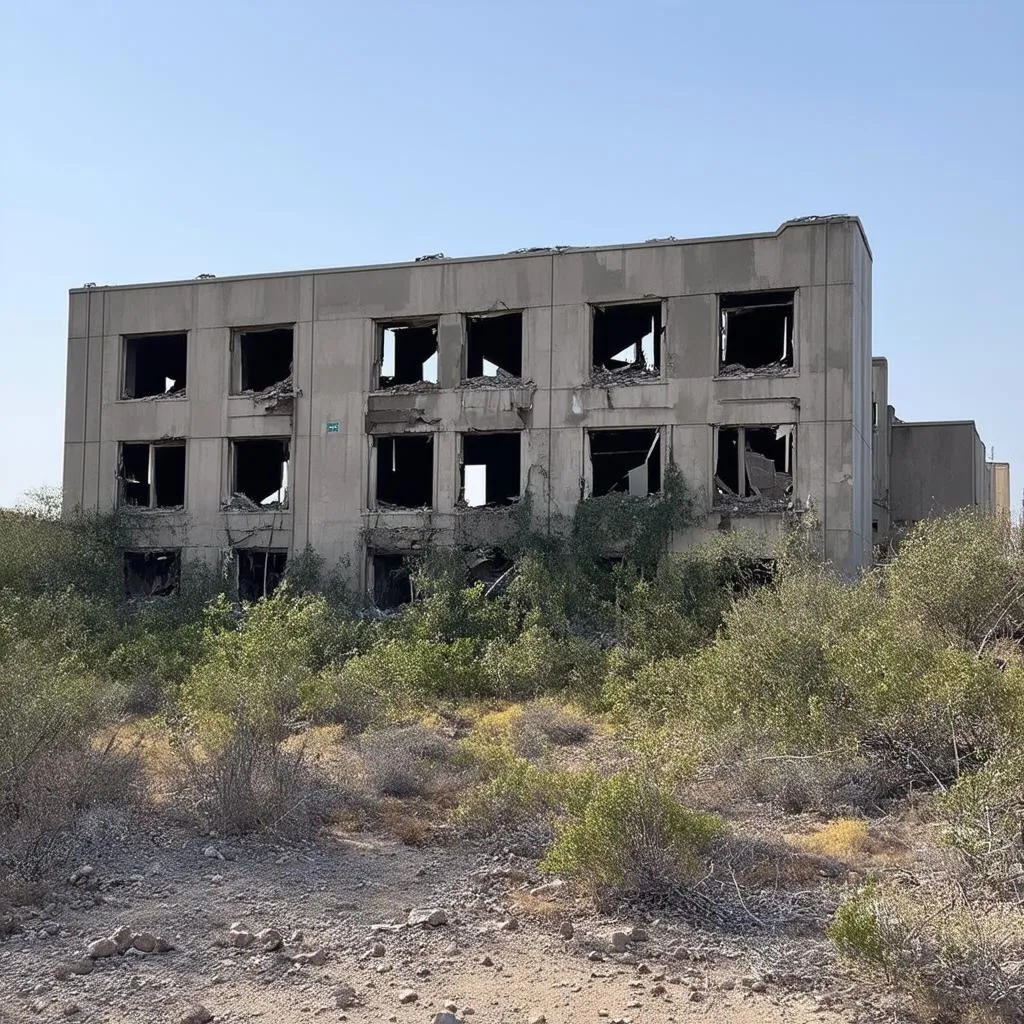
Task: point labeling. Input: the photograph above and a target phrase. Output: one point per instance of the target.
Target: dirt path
(348, 895)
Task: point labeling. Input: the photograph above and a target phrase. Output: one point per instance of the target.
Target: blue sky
(152, 141)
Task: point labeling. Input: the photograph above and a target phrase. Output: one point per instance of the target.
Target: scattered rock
(408, 995)
(240, 938)
(163, 945)
(486, 962)
(511, 925)
(378, 949)
(566, 930)
(427, 917)
(101, 948)
(344, 997)
(316, 958)
(71, 1010)
(82, 875)
(144, 942)
(83, 966)
(695, 995)
(538, 1018)
(445, 1017)
(637, 934)
(270, 939)
(213, 853)
(618, 941)
(199, 1014)
(123, 937)
(596, 956)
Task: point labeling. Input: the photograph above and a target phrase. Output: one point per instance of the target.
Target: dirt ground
(500, 958)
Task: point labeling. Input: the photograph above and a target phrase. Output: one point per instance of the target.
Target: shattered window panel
(407, 354)
(259, 474)
(490, 468)
(259, 572)
(494, 345)
(756, 333)
(405, 471)
(754, 466)
(151, 573)
(627, 342)
(155, 365)
(262, 358)
(392, 580)
(152, 475)
(625, 461)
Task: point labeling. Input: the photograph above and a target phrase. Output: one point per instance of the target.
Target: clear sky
(147, 141)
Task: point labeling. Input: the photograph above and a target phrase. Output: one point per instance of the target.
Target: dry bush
(536, 907)
(406, 826)
(410, 761)
(251, 783)
(555, 724)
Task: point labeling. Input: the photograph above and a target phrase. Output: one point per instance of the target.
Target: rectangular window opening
(494, 346)
(490, 469)
(625, 461)
(152, 475)
(155, 365)
(627, 342)
(392, 580)
(151, 573)
(261, 358)
(260, 474)
(755, 464)
(756, 333)
(405, 471)
(259, 572)
(408, 354)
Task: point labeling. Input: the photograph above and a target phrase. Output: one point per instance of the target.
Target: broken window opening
(625, 461)
(259, 474)
(405, 471)
(261, 358)
(756, 332)
(489, 566)
(755, 464)
(627, 341)
(490, 469)
(152, 475)
(408, 354)
(494, 345)
(151, 573)
(392, 580)
(259, 572)
(155, 365)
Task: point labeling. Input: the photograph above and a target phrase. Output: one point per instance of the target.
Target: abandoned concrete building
(368, 412)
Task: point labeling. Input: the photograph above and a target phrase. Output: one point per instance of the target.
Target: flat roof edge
(530, 253)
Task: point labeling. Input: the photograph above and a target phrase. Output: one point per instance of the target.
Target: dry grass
(410, 761)
(851, 841)
(526, 904)
(405, 826)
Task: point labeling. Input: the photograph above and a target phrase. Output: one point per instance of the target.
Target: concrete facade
(335, 418)
(998, 486)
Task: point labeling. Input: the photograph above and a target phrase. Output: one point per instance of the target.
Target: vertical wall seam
(85, 398)
(824, 461)
(551, 384)
(99, 419)
(309, 420)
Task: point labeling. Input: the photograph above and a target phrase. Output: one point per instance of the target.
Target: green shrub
(632, 835)
(857, 932)
(537, 662)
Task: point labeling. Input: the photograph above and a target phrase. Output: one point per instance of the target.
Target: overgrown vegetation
(769, 680)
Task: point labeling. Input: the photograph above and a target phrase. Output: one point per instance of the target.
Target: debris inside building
(494, 345)
(152, 475)
(756, 333)
(754, 467)
(259, 572)
(405, 471)
(155, 365)
(261, 358)
(490, 469)
(259, 473)
(627, 343)
(408, 355)
(151, 573)
(625, 461)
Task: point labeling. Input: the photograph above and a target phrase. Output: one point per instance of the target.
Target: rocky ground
(356, 927)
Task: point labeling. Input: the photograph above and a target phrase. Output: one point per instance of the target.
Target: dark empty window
(154, 365)
(260, 472)
(494, 345)
(490, 468)
(408, 353)
(628, 461)
(755, 463)
(392, 580)
(152, 475)
(405, 470)
(491, 568)
(756, 332)
(261, 358)
(259, 572)
(627, 339)
(151, 573)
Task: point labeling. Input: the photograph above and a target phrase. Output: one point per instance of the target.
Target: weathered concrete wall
(827, 393)
(882, 417)
(936, 468)
(998, 485)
